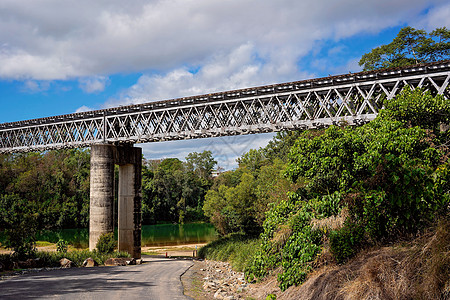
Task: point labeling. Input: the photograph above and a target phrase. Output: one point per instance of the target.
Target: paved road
(158, 278)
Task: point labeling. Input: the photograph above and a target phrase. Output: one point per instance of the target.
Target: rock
(65, 263)
(89, 263)
(131, 261)
(111, 262)
(139, 261)
(27, 264)
(15, 265)
(39, 262)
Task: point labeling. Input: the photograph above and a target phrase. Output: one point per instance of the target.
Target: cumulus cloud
(240, 68)
(93, 84)
(50, 39)
(436, 17)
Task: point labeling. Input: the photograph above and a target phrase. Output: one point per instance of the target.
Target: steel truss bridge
(351, 98)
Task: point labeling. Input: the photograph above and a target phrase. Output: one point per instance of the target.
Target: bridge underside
(103, 159)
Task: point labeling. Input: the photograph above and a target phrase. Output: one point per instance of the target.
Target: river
(152, 235)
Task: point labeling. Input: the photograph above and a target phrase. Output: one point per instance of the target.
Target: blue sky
(59, 57)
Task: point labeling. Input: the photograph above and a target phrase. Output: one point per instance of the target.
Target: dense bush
(106, 243)
(346, 241)
(61, 246)
(391, 176)
(290, 240)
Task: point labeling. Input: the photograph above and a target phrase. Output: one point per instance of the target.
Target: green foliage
(386, 167)
(388, 174)
(411, 46)
(234, 248)
(238, 200)
(77, 256)
(201, 164)
(61, 246)
(346, 241)
(416, 108)
(173, 191)
(231, 209)
(106, 243)
(22, 225)
(289, 240)
(271, 297)
(55, 184)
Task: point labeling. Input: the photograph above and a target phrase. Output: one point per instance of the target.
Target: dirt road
(157, 278)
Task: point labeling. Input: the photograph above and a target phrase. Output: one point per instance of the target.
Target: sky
(59, 57)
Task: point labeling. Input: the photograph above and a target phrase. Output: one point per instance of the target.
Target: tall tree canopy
(411, 46)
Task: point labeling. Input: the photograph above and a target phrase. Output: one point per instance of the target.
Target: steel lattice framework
(351, 98)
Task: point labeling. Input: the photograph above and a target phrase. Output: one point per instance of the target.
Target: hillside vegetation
(342, 190)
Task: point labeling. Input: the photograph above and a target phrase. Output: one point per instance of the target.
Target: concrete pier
(101, 192)
(129, 159)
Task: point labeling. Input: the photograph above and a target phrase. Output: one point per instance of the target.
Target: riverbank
(171, 251)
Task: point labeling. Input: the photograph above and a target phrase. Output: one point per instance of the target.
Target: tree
(55, 182)
(201, 163)
(174, 191)
(233, 209)
(411, 46)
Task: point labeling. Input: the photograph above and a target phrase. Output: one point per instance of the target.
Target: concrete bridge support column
(101, 192)
(129, 160)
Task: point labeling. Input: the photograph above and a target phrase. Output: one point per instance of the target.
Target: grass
(77, 256)
(44, 244)
(237, 249)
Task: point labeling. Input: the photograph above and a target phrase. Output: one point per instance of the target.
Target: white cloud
(33, 86)
(93, 84)
(436, 17)
(240, 68)
(83, 108)
(45, 40)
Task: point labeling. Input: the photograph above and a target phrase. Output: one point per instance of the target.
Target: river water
(152, 235)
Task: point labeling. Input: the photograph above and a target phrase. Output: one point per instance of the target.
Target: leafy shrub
(61, 246)
(77, 256)
(106, 243)
(345, 242)
(389, 174)
(22, 225)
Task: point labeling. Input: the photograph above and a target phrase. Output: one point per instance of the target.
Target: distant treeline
(52, 188)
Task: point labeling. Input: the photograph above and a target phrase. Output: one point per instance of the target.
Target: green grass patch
(43, 244)
(237, 249)
(77, 256)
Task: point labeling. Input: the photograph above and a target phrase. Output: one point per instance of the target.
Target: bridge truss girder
(351, 99)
